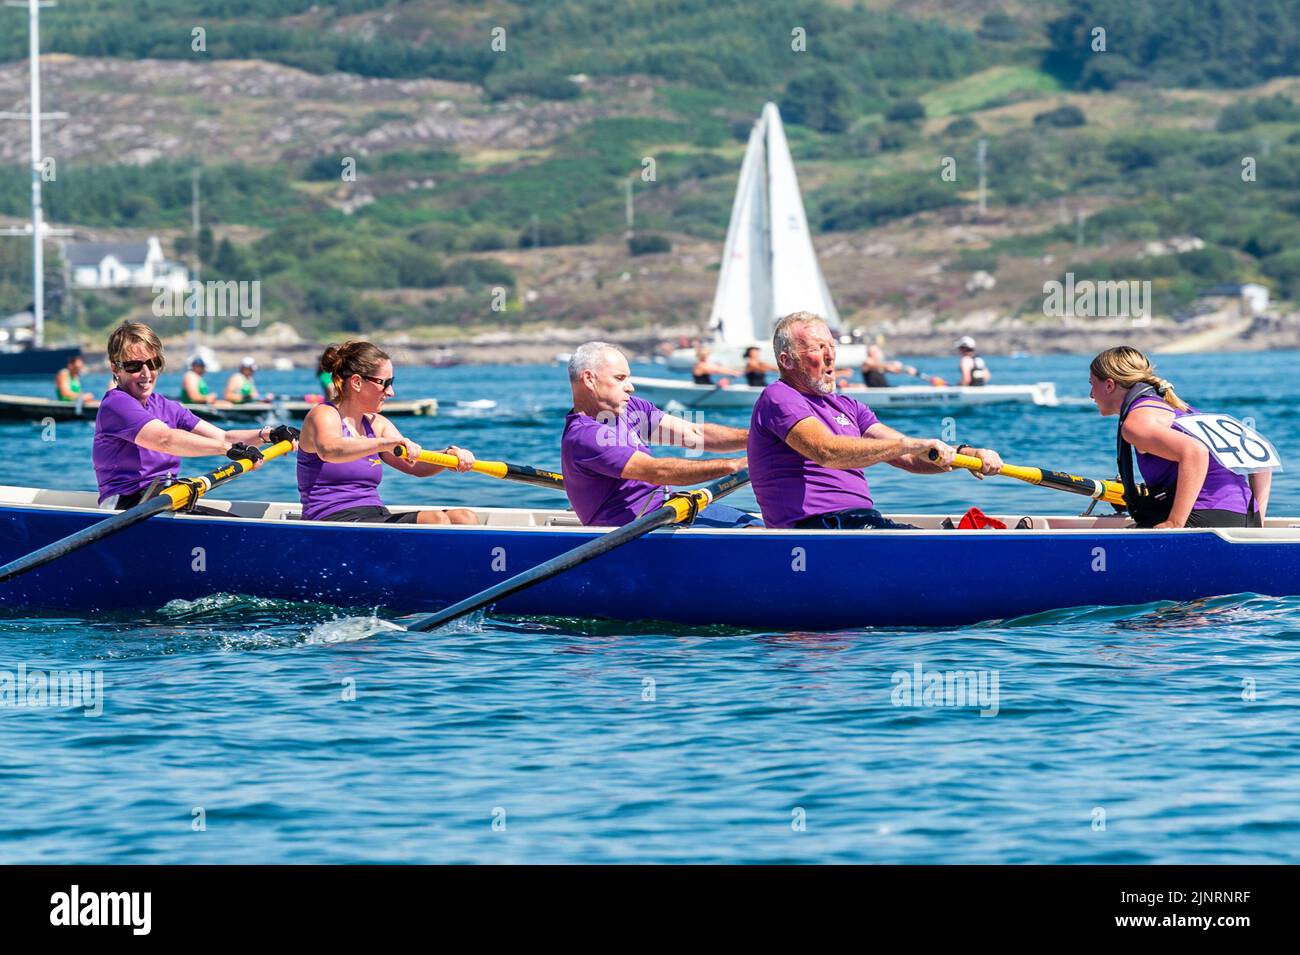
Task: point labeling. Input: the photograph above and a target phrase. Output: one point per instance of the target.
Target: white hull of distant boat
(665, 391)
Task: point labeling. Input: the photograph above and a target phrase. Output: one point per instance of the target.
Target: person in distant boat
(755, 368)
(326, 380)
(67, 383)
(140, 436)
(240, 387)
(610, 474)
(345, 444)
(194, 390)
(974, 370)
(704, 370)
(877, 363)
(1187, 484)
(808, 447)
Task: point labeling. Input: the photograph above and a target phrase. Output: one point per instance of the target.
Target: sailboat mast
(38, 219)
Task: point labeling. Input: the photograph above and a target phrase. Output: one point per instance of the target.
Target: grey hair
(588, 357)
(782, 336)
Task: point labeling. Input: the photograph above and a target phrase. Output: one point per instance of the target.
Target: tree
(817, 99)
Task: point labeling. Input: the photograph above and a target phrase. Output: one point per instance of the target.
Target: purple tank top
(1223, 490)
(325, 487)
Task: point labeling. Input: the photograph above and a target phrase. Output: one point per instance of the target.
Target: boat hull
(812, 580)
(662, 391)
(35, 361)
(25, 408)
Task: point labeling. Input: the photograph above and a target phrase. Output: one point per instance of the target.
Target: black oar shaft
(670, 513)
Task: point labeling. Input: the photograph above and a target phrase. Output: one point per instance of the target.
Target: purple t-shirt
(788, 486)
(325, 487)
(121, 465)
(593, 454)
(1223, 489)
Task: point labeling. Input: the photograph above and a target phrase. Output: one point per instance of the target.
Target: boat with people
(724, 394)
(405, 568)
(31, 408)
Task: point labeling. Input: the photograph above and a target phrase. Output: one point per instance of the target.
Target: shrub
(1062, 117)
(648, 244)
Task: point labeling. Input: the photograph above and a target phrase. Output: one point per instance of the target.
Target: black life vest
(1147, 505)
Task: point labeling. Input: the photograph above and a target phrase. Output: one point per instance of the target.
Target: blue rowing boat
(810, 580)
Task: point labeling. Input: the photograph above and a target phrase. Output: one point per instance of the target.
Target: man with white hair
(610, 475)
(808, 446)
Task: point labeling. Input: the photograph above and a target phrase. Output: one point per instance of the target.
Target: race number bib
(1234, 445)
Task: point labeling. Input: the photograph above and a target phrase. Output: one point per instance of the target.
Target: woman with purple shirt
(346, 442)
(1187, 486)
(140, 436)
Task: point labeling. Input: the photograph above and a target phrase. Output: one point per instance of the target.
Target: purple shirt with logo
(788, 486)
(593, 454)
(325, 487)
(121, 465)
(1223, 489)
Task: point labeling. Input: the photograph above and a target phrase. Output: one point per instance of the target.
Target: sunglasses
(133, 367)
(384, 383)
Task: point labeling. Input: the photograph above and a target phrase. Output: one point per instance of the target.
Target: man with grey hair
(609, 473)
(808, 446)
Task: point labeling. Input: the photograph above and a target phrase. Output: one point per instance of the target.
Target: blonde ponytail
(1127, 366)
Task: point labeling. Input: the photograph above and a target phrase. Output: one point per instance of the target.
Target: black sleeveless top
(756, 379)
(703, 379)
(875, 378)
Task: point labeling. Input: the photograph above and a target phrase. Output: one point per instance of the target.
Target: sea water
(232, 729)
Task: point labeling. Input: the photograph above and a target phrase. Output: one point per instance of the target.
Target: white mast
(38, 230)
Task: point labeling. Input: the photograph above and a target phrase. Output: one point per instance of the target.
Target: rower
(609, 473)
(808, 446)
(67, 383)
(704, 370)
(755, 368)
(240, 387)
(326, 380)
(1194, 464)
(345, 444)
(194, 389)
(974, 370)
(877, 363)
(140, 436)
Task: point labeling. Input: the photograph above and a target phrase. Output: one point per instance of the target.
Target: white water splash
(350, 629)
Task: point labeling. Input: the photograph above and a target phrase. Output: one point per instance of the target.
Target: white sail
(797, 282)
(769, 267)
(742, 302)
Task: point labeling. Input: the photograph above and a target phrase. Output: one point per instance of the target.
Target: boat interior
(1276, 528)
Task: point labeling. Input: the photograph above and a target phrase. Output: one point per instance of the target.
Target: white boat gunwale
(554, 520)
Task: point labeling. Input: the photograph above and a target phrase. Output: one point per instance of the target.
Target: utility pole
(628, 208)
(194, 237)
(536, 240)
(981, 149)
(1079, 217)
(38, 230)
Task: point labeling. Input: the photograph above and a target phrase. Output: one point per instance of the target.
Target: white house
(123, 265)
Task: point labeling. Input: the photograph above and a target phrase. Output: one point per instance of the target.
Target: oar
(676, 509)
(934, 380)
(497, 469)
(1112, 492)
(171, 498)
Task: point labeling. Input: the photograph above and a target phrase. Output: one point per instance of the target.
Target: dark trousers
(861, 518)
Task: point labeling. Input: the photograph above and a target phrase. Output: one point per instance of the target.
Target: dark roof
(92, 253)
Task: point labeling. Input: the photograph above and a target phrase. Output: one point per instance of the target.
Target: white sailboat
(769, 266)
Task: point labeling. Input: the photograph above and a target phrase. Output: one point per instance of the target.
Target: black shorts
(857, 519)
(371, 514)
(1214, 517)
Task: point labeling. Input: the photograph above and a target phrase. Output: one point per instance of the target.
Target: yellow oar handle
(1112, 492)
(180, 493)
(496, 469)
